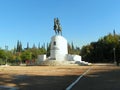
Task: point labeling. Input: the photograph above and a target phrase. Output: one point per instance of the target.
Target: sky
(82, 21)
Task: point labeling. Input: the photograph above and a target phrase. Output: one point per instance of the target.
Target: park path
(100, 77)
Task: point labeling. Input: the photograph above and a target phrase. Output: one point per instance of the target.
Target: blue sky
(82, 21)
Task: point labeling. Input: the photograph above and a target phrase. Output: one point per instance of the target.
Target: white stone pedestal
(59, 48)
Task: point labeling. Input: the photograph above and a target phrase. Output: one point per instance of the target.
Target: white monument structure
(59, 50)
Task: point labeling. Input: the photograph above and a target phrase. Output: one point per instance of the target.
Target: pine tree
(43, 46)
(39, 45)
(27, 46)
(48, 49)
(72, 46)
(34, 47)
(19, 46)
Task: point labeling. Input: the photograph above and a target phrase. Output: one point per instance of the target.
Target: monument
(58, 43)
(59, 50)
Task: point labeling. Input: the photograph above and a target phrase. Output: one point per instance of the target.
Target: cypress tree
(27, 46)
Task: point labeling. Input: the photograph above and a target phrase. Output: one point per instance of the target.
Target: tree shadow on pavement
(27, 82)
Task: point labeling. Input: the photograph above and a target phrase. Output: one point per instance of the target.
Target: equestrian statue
(57, 27)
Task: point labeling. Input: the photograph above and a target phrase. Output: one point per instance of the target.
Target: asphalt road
(100, 77)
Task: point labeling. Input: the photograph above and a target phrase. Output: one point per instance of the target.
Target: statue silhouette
(57, 27)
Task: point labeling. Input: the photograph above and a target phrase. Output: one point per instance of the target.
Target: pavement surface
(38, 77)
(100, 77)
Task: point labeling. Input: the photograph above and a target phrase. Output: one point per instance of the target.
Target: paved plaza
(99, 77)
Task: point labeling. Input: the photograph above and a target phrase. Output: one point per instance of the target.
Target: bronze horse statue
(57, 27)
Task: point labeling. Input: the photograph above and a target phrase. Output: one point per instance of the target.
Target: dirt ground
(49, 77)
(39, 77)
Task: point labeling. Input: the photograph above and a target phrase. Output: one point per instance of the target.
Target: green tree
(2, 57)
(2, 54)
(48, 49)
(27, 46)
(26, 55)
(72, 49)
(19, 46)
(102, 50)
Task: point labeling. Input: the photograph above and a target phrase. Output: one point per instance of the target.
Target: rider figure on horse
(57, 27)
